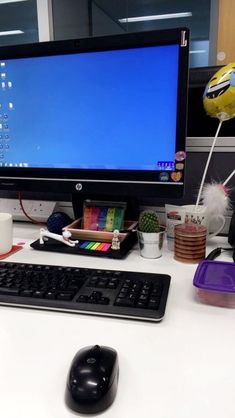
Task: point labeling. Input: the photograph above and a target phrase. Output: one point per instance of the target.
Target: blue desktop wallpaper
(111, 109)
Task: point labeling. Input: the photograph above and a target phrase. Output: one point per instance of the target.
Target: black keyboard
(111, 293)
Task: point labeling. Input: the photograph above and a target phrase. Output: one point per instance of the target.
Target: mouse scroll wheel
(93, 354)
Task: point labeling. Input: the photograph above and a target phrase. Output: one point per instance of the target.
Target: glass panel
(80, 18)
(139, 15)
(18, 22)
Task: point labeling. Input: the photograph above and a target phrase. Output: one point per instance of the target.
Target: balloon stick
(229, 177)
(207, 164)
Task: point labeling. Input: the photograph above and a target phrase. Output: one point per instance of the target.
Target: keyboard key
(83, 299)
(104, 301)
(9, 291)
(65, 296)
(50, 295)
(38, 294)
(97, 295)
(113, 284)
(141, 304)
(26, 293)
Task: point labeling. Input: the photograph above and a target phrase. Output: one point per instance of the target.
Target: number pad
(139, 294)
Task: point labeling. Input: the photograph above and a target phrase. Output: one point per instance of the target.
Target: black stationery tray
(56, 246)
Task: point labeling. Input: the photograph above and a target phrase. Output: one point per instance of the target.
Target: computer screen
(105, 114)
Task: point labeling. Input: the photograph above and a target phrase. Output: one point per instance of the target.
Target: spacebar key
(9, 291)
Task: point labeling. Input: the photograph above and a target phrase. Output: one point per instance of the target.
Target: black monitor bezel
(107, 181)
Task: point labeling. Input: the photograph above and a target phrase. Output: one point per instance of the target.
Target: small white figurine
(115, 241)
(64, 238)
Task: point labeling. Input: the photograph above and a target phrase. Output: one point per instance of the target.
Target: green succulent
(148, 221)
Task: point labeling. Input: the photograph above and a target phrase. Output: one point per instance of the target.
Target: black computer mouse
(92, 379)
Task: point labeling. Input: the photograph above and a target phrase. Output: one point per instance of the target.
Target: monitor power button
(78, 187)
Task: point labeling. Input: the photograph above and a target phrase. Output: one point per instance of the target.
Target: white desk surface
(182, 367)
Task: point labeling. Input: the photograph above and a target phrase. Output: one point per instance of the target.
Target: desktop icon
(164, 176)
(176, 176)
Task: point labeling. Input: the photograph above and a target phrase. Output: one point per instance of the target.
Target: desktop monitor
(96, 116)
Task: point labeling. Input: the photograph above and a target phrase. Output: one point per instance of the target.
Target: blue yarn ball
(57, 221)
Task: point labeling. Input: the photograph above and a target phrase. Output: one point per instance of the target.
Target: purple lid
(215, 275)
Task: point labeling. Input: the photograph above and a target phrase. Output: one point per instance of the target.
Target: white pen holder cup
(6, 232)
(201, 216)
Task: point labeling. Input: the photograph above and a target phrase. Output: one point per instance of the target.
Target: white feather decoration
(215, 198)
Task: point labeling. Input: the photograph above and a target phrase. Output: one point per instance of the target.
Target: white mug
(201, 216)
(6, 232)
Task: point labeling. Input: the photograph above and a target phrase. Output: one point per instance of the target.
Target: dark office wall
(103, 23)
(70, 19)
(82, 18)
(24, 18)
(70, 16)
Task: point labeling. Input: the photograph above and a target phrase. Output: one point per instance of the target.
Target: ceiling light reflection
(11, 32)
(155, 17)
(10, 1)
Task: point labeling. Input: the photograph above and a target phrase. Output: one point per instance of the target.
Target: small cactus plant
(148, 221)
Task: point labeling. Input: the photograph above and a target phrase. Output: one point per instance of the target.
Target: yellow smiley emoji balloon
(219, 95)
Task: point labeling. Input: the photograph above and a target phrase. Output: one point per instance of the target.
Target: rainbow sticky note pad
(94, 247)
(101, 246)
(90, 245)
(106, 247)
(84, 244)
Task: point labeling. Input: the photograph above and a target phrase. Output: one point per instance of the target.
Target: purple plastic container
(215, 282)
